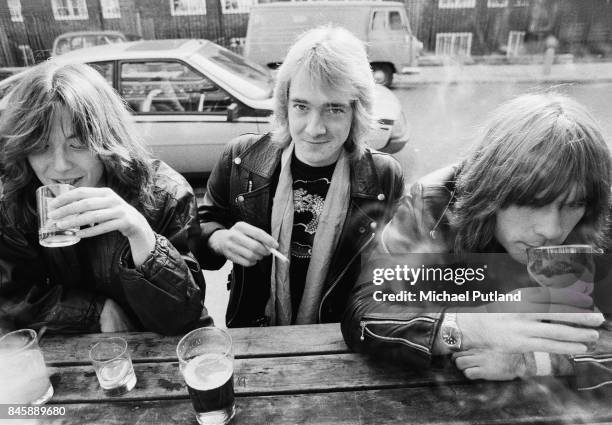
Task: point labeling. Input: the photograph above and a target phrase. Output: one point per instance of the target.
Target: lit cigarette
(278, 255)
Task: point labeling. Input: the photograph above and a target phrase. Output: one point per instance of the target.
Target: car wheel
(383, 74)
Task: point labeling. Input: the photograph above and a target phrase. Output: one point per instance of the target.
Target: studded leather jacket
(241, 188)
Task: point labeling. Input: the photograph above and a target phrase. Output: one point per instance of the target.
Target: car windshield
(247, 70)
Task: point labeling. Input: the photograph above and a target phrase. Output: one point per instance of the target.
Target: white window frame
(110, 9)
(516, 41)
(497, 3)
(520, 3)
(193, 7)
(456, 4)
(244, 6)
(443, 38)
(14, 7)
(80, 5)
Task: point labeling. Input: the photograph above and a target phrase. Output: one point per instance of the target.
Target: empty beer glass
(113, 365)
(49, 234)
(23, 373)
(206, 360)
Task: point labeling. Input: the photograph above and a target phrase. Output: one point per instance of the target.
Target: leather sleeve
(214, 212)
(593, 371)
(167, 291)
(403, 332)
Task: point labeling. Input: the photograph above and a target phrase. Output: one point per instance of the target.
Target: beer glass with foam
(206, 361)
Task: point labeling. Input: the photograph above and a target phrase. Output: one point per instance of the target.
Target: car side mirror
(232, 112)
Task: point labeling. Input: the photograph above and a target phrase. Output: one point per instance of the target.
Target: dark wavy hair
(535, 149)
(100, 119)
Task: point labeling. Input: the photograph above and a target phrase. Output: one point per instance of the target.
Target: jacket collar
(263, 158)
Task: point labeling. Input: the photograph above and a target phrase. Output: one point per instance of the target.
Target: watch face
(451, 336)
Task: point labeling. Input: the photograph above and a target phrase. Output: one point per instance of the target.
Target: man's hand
(492, 365)
(114, 319)
(243, 244)
(547, 319)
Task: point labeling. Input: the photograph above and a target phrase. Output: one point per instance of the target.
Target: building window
(237, 6)
(110, 9)
(15, 10)
(497, 3)
(69, 9)
(456, 4)
(187, 7)
(520, 3)
(454, 44)
(516, 40)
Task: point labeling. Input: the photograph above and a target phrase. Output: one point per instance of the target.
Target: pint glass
(206, 361)
(23, 373)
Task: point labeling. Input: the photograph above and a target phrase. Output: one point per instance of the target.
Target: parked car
(190, 97)
(70, 41)
(383, 26)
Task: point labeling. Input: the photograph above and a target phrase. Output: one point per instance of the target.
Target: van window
(170, 86)
(379, 21)
(395, 21)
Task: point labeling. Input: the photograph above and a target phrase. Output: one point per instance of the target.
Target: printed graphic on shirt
(308, 204)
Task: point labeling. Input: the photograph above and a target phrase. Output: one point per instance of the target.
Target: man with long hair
(311, 189)
(539, 175)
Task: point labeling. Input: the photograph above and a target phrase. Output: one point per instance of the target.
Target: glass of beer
(23, 373)
(563, 266)
(49, 234)
(113, 365)
(206, 360)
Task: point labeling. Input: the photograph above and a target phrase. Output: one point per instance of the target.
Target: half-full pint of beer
(206, 362)
(210, 382)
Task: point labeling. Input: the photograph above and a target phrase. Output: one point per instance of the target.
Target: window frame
(201, 10)
(14, 7)
(244, 6)
(111, 9)
(454, 35)
(80, 5)
(456, 4)
(497, 4)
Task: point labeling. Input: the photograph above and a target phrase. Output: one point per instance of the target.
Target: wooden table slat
(261, 376)
(248, 342)
(460, 404)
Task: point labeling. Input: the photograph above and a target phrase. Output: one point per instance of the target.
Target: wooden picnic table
(304, 375)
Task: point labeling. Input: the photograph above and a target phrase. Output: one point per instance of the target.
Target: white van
(382, 25)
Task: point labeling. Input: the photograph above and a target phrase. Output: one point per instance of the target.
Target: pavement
(458, 73)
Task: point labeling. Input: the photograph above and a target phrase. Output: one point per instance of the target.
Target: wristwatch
(450, 332)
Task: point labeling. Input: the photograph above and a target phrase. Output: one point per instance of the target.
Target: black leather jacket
(241, 188)
(406, 332)
(65, 288)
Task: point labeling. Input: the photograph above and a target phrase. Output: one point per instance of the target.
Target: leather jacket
(65, 288)
(406, 333)
(241, 188)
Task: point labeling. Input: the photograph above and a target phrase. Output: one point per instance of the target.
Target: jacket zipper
(335, 282)
(364, 323)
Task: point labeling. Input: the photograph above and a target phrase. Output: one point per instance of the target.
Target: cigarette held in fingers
(278, 255)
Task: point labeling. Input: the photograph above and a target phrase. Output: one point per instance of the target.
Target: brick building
(446, 27)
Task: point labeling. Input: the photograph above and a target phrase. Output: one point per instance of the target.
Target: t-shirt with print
(310, 186)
